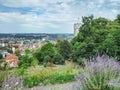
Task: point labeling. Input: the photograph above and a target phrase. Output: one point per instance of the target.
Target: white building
(76, 28)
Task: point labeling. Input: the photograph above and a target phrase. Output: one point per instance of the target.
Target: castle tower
(76, 28)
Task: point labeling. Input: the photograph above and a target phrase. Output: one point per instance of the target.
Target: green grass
(47, 76)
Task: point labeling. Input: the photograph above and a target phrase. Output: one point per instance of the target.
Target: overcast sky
(51, 16)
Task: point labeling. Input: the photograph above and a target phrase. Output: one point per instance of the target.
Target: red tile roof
(11, 57)
(12, 60)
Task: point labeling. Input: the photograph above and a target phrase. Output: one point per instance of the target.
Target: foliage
(1, 78)
(111, 44)
(46, 76)
(64, 48)
(58, 58)
(118, 19)
(48, 53)
(98, 35)
(47, 58)
(27, 61)
(100, 72)
(80, 61)
(46, 50)
(27, 51)
(38, 55)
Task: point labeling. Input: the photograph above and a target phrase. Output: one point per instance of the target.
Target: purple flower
(100, 72)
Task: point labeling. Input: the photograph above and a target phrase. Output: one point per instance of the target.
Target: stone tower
(76, 28)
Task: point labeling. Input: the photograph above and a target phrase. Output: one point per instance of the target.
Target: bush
(100, 71)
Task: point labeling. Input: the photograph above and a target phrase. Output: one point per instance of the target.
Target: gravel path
(67, 86)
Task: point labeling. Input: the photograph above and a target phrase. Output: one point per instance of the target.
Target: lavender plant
(13, 83)
(100, 71)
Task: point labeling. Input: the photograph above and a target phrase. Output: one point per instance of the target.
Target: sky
(51, 16)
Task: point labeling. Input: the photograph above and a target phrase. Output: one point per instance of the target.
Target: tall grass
(1, 78)
(46, 76)
(100, 72)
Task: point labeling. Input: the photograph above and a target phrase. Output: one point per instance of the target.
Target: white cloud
(31, 3)
(115, 0)
(114, 11)
(57, 15)
(35, 22)
(22, 3)
(101, 1)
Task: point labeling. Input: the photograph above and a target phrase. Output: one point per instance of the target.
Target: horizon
(37, 33)
(55, 16)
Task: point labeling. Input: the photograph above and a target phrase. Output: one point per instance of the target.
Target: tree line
(96, 36)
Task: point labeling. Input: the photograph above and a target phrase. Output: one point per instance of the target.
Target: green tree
(27, 61)
(97, 36)
(46, 50)
(47, 59)
(64, 48)
(111, 45)
(58, 58)
(38, 55)
(100, 23)
(83, 43)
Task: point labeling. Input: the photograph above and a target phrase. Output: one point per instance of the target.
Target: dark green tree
(58, 58)
(47, 59)
(64, 48)
(38, 55)
(46, 50)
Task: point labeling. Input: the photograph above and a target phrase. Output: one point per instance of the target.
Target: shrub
(100, 71)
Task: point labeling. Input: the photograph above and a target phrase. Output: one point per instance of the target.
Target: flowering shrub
(9, 79)
(100, 72)
(12, 83)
